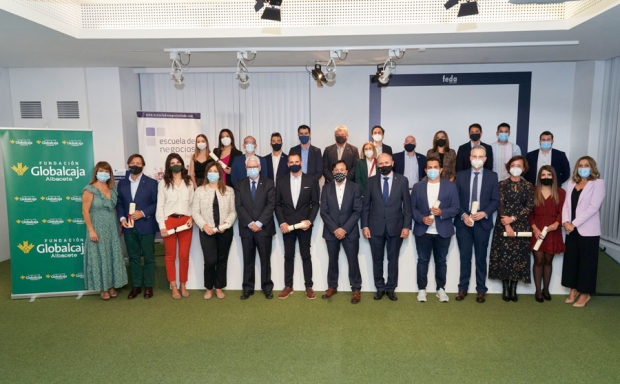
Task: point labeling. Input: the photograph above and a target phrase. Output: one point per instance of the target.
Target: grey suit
(350, 155)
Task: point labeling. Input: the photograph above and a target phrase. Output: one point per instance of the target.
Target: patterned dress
(510, 256)
(545, 215)
(104, 266)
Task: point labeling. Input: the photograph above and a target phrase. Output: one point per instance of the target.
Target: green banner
(45, 172)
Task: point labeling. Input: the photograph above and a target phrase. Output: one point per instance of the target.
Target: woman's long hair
(220, 182)
(197, 151)
(103, 165)
(168, 172)
(232, 139)
(538, 197)
(446, 148)
(594, 173)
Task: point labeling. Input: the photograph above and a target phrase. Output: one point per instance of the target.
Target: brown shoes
(329, 293)
(356, 297)
(481, 297)
(148, 292)
(135, 291)
(285, 293)
(310, 293)
(461, 295)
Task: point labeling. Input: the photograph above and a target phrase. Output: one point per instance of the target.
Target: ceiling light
(318, 75)
(388, 69)
(330, 70)
(176, 71)
(242, 69)
(469, 8)
(270, 13)
(375, 78)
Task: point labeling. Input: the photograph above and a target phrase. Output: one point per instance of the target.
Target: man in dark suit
(341, 207)
(462, 155)
(255, 202)
(547, 156)
(238, 166)
(476, 184)
(277, 160)
(139, 238)
(311, 157)
(386, 218)
(378, 133)
(340, 151)
(433, 227)
(409, 163)
(297, 204)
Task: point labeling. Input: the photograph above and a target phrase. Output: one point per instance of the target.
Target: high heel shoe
(539, 299)
(175, 292)
(546, 295)
(581, 305)
(568, 299)
(184, 292)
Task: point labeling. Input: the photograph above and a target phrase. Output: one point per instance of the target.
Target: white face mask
(377, 138)
(226, 141)
(477, 163)
(369, 153)
(201, 146)
(516, 172)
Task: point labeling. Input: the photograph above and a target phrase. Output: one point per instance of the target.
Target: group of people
(376, 193)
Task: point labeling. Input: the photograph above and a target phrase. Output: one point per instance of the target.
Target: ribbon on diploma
(520, 234)
(178, 229)
(132, 210)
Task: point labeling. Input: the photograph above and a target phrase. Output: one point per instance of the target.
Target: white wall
(6, 120)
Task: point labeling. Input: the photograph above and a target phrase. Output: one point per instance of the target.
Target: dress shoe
(379, 295)
(391, 295)
(356, 297)
(571, 301)
(581, 305)
(505, 290)
(269, 295)
(460, 296)
(246, 295)
(310, 293)
(546, 295)
(285, 293)
(219, 293)
(329, 293)
(539, 299)
(148, 292)
(481, 298)
(135, 291)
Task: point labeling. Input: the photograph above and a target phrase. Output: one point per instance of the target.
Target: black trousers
(304, 238)
(250, 245)
(580, 266)
(352, 250)
(377, 247)
(215, 249)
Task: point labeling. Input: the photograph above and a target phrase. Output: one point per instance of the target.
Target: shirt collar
(137, 180)
(473, 170)
(296, 178)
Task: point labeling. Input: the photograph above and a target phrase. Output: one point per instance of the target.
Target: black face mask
(441, 142)
(474, 136)
(135, 170)
(409, 147)
(276, 147)
(341, 140)
(546, 182)
(295, 168)
(385, 170)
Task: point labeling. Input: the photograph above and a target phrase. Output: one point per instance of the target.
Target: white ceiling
(24, 43)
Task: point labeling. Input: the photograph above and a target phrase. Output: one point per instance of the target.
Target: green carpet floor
(64, 340)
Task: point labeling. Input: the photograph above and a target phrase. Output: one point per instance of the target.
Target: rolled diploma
(474, 207)
(296, 226)
(436, 205)
(178, 229)
(132, 210)
(520, 234)
(539, 241)
(223, 164)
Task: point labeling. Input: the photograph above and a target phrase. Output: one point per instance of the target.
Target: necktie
(474, 190)
(386, 189)
(253, 190)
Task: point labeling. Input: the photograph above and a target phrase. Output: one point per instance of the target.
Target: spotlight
(331, 70)
(449, 4)
(270, 13)
(242, 69)
(469, 8)
(176, 72)
(388, 69)
(318, 75)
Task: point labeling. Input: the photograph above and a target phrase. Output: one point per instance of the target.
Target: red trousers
(170, 244)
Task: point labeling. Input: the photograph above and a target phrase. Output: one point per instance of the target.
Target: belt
(176, 216)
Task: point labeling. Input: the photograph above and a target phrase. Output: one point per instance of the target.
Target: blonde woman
(366, 165)
(199, 160)
(447, 157)
(214, 213)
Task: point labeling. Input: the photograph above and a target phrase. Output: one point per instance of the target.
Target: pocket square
(306, 187)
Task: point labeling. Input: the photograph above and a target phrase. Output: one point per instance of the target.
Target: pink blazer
(588, 220)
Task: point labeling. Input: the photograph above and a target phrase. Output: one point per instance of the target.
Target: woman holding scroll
(510, 250)
(226, 153)
(175, 194)
(214, 213)
(545, 243)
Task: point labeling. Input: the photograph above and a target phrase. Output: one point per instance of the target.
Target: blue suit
(238, 170)
(282, 166)
(399, 164)
(478, 235)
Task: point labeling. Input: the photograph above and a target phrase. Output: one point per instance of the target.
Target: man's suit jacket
(282, 166)
(399, 163)
(559, 162)
(386, 149)
(350, 155)
(345, 217)
(238, 171)
(462, 157)
(260, 209)
(233, 153)
(449, 204)
(315, 160)
(396, 215)
(488, 199)
(146, 201)
(307, 203)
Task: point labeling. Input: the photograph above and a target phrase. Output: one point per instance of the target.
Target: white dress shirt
(543, 160)
(340, 192)
(379, 149)
(295, 188)
(371, 170)
(174, 199)
(134, 184)
(276, 163)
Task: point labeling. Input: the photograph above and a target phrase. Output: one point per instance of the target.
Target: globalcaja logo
(77, 220)
(77, 275)
(73, 143)
(21, 142)
(28, 221)
(58, 170)
(62, 248)
(48, 143)
(53, 221)
(25, 199)
(76, 198)
(31, 277)
(25, 246)
(20, 169)
(52, 199)
(57, 276)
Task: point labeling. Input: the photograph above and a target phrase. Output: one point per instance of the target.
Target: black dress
(199, 172)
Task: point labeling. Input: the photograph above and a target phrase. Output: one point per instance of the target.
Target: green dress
(104, 266)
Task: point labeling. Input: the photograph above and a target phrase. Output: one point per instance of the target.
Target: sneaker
(441, 294)
(422, 296)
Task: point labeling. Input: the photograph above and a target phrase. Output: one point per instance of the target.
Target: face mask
(201, 146)
(385, 170)
(339, 177)
(249, 148)
(477, 163)
(503, 137)
(369, 153)
(304, 139)
(176, 168)
(276, 147)
(295, 168)
(377, 138)
(546, 182)
(409, 147)
(341, 139)
(545, 145)
(432, 174)
(516, 172)
(584, 172)
(135, 170)
(226, 141)
(213, 177)
(441, 142)
(252, 172)
(103, 176)
(474, 136)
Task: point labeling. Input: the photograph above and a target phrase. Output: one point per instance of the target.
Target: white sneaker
(422, 296)
(441, 294)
